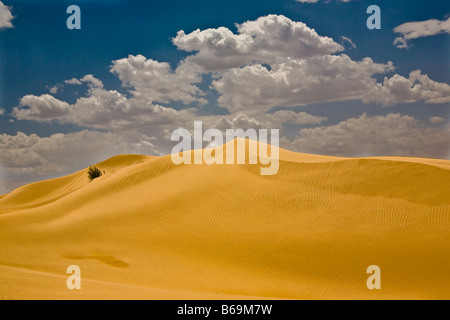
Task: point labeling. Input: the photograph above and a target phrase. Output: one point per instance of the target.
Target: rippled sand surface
(149, 229)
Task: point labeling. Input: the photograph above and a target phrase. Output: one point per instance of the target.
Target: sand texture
(149, 229)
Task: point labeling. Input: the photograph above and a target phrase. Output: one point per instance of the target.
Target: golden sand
(149, 229)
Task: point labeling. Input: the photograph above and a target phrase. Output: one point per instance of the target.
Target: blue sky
(39, 53)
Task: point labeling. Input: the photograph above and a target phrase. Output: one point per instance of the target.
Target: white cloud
(54, 89)
(390, 135)
(418, 87)
(266, 40)
(111, 110)
(289, 116)
(157, 82)
(271, 62)
(297, 82)
(73, 81)
(89, 79)
(349, 41)
(437, 119)
(5, 16)
(42, 108)
(261, 121)
(101, 109)
(420, 29)
(92, 81)
(276, 62)
(295, 68)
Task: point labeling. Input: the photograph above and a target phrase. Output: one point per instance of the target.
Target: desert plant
(94, 173)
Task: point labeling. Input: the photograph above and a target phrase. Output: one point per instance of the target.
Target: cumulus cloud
(266, 40)
(156, 81)
(418, 87)
(146, 80)
(92, 81)
(89, 79)
(297, 82)
(5, 16)
(420, 29)
(73, 81)
(100, 109)
(390, 135)
(42, 108)
(272, 62)
(276, 62)
(54, 89)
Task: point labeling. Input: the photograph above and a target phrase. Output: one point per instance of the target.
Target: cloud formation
(349, 41)
(258, 74)
(42, 108)
(5, 16)
(100, 109)
(418, 87)
(276, 62)
(437, 119)
(390, 135)
(157, 82)
(268, 39)
(297, 82)
(420, 29)
(271, 62)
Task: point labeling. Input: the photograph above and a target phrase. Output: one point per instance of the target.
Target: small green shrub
(94, 173)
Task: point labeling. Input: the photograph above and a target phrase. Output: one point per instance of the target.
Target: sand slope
(150, 229)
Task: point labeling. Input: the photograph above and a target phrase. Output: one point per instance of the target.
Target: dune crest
(149, 229)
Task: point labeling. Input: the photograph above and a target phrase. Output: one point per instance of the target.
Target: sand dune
(149, 229)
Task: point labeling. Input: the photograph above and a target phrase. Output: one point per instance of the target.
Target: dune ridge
(149, 229)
